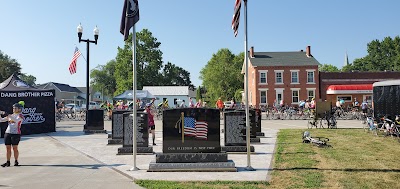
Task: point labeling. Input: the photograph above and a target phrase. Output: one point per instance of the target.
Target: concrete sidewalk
(46, 163)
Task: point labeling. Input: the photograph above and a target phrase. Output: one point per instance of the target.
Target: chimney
(308, 51)
(251, 52)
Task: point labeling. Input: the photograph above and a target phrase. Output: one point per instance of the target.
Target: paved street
(70, 159)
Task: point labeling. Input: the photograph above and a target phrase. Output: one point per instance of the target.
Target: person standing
(150, 121)
(199, 104)
(12, 135)
(182, 105)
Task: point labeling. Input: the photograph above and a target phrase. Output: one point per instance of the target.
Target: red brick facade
(273, 89)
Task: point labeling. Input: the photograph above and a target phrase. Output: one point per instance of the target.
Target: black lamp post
(96, 36)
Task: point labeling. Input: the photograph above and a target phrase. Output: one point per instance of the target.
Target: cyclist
(364, 107)
(150, 121)
(12, 135)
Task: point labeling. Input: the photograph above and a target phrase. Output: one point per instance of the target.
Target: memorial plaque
(253, 123)
(235, 128)
(142, 134)
(191, 130)
(117, 124)
(258, 120)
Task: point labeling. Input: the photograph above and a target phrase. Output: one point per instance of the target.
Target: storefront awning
(350, 89)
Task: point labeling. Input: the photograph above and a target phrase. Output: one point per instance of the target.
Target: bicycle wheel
(323, 123)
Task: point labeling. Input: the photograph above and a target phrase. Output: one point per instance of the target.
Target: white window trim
(266, 77)
(291, 76)
(279, 71)
(266, 96)
(279, 90)
(372, 98)
(311, 89)
(298, 93)
(313, 71)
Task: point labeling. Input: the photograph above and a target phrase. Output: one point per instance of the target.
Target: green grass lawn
(357, 159)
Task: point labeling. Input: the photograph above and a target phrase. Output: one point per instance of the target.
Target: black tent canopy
(39, 110)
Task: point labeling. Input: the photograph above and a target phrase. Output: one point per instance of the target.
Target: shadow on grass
(345, 170)
(88, 166)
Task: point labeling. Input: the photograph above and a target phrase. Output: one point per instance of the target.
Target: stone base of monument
(140, 150)
(87, 131)
(255, 140)
(114, 141)
(192, 162)
(260, 134)
(236, 149)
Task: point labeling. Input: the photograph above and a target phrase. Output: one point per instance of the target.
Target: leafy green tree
(103, 78)
(150, 70)
(8, 66)
(198, 93)
(222, 75)
(29, 79)
(382, 55)
(238, 95)
(328, 68)
(176, 76)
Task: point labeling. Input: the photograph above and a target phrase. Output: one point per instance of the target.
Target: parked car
(228, 104)
(92, 106)
(74, 107)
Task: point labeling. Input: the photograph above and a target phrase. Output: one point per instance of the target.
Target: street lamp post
(96, 36)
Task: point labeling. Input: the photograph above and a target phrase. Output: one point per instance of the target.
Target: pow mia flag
(130, 15)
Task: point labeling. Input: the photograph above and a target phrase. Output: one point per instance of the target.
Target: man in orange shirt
(220, 105)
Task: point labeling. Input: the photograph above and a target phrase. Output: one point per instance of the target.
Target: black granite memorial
(191, 142)
(235, 132)
(254, 126)
(258, 123)
(117, 126)
(142, 135)
(95, 122)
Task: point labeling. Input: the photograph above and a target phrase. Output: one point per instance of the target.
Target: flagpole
(134, 168)
(249, 168)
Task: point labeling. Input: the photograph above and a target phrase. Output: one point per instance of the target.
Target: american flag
(72, 65)
(195, 128)
(236, 16)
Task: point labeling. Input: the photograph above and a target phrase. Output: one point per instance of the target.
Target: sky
(41, 35)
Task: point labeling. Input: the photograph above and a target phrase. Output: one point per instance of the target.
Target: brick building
(350, 85)
(291, 76)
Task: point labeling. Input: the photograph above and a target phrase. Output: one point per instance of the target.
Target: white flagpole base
(134, 169)
(249, 168)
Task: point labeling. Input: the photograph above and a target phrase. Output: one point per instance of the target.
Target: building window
(263, 77)
(278, 77)
(346, 98)
(310, 77)
(368, 98)
(295, 77)
(263, 97)
(295, 96)
(311, 94)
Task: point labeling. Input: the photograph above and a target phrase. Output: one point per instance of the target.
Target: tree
(29, 79)
(382, 55)
(198, 94)
(103, 78)
(149, 64)
(222, 75)
(328, 68)
(238, 95)
(8, 66)
(176, 76)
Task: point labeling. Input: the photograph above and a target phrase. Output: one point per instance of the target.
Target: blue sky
(42, 36)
